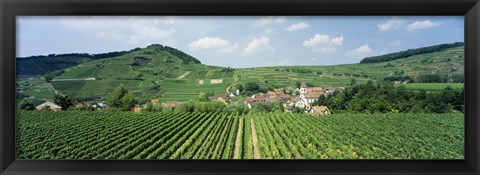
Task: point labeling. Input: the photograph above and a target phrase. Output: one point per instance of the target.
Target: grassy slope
(165, 73)
(335, 75)
(164, 70)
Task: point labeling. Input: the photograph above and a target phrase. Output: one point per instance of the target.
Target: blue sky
(252, 41)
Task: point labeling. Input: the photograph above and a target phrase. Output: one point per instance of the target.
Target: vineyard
(126, 135)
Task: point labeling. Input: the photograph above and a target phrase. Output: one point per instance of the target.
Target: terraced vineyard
(126, 135)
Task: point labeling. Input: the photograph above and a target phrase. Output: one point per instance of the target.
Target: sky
(240, 41)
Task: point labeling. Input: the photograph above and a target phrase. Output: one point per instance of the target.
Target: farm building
(319, 110)
(170, 104)
(220, 99)
(216, 81)
(154, 101)
(52, 106)
(136, 109)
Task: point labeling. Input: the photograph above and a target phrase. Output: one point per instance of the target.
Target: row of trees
(217, 107)
(457, 77)
(385, 98)
(410, 52)
(120, 99)
(187, 59)
(86, 55)
(63, 101)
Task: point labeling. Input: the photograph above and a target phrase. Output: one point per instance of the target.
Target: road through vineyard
(126, 135)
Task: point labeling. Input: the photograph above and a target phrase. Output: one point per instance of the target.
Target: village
(300, 98)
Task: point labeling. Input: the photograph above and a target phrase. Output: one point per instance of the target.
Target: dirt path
(256, 153)
(236, 153)
(184, 75)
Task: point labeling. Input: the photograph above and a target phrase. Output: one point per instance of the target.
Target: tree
(251, 88)
(185, 107)
(353, 82)
(128, 102)
(115, 100)
(63, 101)
(321, 101)
(27, 105)
(203, 97)
(298, 84)
(277, 107)
(46, 108)
(239, 87)
(122, 99)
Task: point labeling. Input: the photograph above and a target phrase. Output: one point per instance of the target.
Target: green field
(433, 87)
(126, 135)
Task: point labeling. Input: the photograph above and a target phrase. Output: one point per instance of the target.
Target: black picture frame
(9, 9)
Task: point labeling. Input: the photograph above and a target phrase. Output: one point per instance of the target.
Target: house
(260, 98)
(96, 105)
(136, 109)
(103, 105)
(52, 106)
(310, 94)
(220, 99)
(154, 101)
(83, 104)
(279, 97)
(256, 98)
(170, 104)
(294, 102)
(319, 110)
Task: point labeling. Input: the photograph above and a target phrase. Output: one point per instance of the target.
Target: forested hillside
(410, 52)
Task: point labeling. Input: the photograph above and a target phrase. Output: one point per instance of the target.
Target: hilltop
(42, 64)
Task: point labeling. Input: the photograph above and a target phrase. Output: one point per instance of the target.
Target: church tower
(303, 88)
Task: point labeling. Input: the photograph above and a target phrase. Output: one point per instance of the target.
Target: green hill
(168, 74)
(446, 64)
(410, 52)
(42, 64)
(151, 72)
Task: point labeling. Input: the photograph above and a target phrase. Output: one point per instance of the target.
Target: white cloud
(337, 40)
(390, 24)
(362, 51)
(132, 30)
(422, 25)
(298, 26)
(269, 31)
(257, 45)
(267, 20)
(217, 44)
(324, 44)
(323, 39)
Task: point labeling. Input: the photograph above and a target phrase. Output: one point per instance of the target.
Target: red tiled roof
(313, 94)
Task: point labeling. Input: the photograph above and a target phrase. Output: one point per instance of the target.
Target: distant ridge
(410, 52)
(42, 64)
